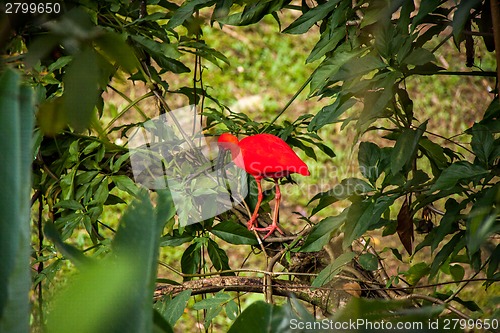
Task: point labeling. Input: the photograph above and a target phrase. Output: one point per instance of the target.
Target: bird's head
(227, 141)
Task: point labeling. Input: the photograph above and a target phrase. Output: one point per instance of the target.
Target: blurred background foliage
(393, 104)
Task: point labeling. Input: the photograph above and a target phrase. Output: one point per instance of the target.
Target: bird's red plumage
(264, 155)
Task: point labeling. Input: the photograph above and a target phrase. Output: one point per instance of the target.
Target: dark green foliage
(367, 54)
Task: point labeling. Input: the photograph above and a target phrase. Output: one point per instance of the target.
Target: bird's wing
(269, 154)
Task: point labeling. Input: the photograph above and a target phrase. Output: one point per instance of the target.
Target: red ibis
(263, 156)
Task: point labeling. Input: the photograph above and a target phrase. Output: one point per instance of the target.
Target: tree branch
(317, 297)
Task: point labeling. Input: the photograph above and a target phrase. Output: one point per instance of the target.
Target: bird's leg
(274, 226)
(253, 219)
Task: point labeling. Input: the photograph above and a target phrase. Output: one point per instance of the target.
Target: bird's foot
(252, 223)
(270, 228)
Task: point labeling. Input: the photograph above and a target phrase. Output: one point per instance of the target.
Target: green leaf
(330, 113)
(482, 143)
(425, 8)
(137, 239)
(457, 172)
(375, 102)
(172, 309)
(363, 215)
(218, 299)
(69, 204)
(461, 16)
(59, 63)
(444, 254)
(457, 272)
(329, 272)
(395, 312)
(155, 47)
(352, 186)
(103, 306)
(419, 57)
(51, 116)
(186, 11)
(175, 239)
(448, 223)
(309, 18)
(191, 259)
(167, 64)
(114, 200)
(165, 207)
(116, 48)
(234, 233)
(125, 184)
(327, 42)
(416, 272)
(405, 148)
(102, 193)
(218, 256)
(80, 89)
(69, 251)
(482, 220)
(321, 233)
(368, 261)
(325, 200)
(368, 159)
(435, 155)
(16, 130)
(262, 317)
(330, 67)
(494, 262)
(160, 324)
(357, 67)
(231, 310)
(253, 12)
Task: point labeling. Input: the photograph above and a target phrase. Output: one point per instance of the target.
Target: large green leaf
(106, 300)
(327, 42)
(218, 256)
(357, 67)
(191, 259)
(186, 11)
(332, 112)
(172, 309)
(405, 148)
(419, 57)
(137, 239)
(425, 8)
(443, 255)
(459, 171)
(234, 233)
(368, 159)
(392, 312)
(461, 16)
(309, 18)
(16, 126)
(482, 143)
(80, 88)
(261, 317)
(253, 12)
(363, 214)
(376, 101)
(330, 271)
(482, 221)
(321, 233)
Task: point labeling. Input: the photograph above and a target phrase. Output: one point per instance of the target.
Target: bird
(263, 156)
